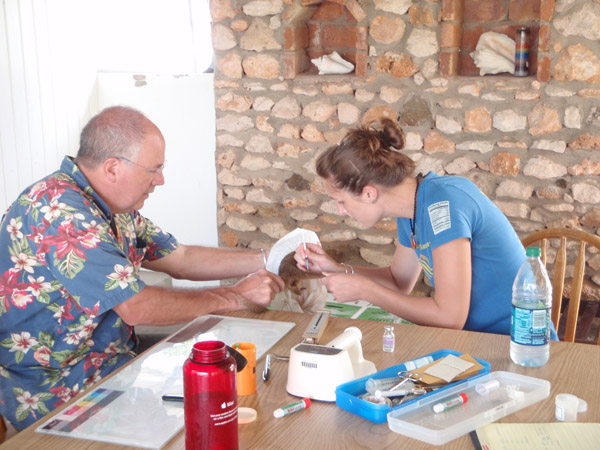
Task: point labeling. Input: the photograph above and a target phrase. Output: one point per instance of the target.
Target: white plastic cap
(438, 408)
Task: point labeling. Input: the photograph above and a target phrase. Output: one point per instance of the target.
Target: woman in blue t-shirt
(446, 226)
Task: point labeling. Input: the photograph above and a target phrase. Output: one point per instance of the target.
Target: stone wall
(530, 143)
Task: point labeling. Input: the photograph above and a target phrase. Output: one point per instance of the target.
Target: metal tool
(305, 255)
(316, 327)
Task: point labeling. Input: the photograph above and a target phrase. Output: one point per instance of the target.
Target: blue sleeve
(449, 215)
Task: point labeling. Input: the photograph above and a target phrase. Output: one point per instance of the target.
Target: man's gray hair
(115, 131)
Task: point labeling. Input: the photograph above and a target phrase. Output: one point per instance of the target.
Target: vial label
(530, 326)
(388, 344)
(388, 339)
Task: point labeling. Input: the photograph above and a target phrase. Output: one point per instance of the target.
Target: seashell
(495, 53)
(332, 63)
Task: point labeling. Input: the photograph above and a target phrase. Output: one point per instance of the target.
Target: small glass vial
(389, 340)
(522, 52)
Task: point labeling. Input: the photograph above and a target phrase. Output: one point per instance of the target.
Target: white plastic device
(316, 370)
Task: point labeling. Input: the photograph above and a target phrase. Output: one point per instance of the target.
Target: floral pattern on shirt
(65, 262)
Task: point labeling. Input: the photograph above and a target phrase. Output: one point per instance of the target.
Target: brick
(335, 36)
(547, 10)
(467, 65)
(316, 53)
(354, 12)
(314, 35)
(452, 10)
(361, 64)
(469, 38)
(450, 35)
(524, 10)
(543, 69)
(295, 38)
(449, 63)
(362, 38)
(294, 63)
(328, 12)
(477, 11)
(544, 39)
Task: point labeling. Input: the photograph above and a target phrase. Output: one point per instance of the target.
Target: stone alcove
(313, 28)
(462, 22)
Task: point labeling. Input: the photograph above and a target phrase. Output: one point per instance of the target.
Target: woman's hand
(318, 259)
(345, 287)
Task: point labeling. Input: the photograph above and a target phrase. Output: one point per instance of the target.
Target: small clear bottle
(389, 340)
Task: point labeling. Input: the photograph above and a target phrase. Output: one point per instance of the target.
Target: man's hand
(258, 289)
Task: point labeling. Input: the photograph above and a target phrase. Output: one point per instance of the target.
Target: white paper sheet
(287, 244)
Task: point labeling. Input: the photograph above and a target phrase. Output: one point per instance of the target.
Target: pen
(450, 403)
(292, 408)
(172, 398)
(305, 255)
(267, 370)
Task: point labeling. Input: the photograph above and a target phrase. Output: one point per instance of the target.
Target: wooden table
(573, 368)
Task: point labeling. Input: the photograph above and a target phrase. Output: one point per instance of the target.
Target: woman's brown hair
(367, 155)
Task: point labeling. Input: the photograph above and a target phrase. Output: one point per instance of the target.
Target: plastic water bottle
(530, 322)
(210, 398)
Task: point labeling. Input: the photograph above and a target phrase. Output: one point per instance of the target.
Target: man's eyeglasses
(157, 171)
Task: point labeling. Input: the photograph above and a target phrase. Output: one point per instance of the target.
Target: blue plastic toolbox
(347, 395)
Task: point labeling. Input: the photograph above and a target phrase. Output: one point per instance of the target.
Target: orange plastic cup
(246, 379)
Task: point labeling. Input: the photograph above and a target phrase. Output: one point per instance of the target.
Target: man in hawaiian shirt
(70, 251)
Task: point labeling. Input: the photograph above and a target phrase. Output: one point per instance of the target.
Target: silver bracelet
(264, 255)
(346, 268)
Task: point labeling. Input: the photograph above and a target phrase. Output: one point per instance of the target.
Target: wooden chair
(558, 280)
(3, 430)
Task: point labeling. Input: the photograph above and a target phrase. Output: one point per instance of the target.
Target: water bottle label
(530, 326)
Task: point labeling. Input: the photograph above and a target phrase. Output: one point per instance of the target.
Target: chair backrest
(3, 430)
(558, 280)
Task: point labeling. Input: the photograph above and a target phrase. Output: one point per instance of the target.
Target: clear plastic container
(419, 421)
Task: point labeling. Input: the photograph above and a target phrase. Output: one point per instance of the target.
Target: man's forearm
(197, 263)
(160, 306)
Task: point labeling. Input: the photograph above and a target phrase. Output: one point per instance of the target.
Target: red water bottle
(210, 398)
